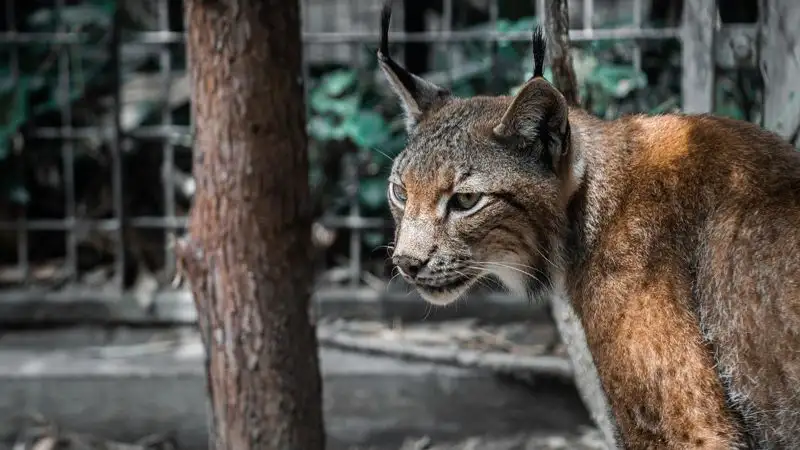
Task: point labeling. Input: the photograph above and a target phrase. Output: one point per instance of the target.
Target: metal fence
(71, 262)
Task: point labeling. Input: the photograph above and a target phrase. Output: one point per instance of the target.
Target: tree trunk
(557, 32)
(780, 63)
(569, 326)
(247, 254)
(587, 381)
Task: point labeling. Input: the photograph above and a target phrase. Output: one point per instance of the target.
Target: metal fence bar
(67, 149)
(344, 37)
(352, 180)
(539, 8)
(637, 23)
(491, 45)
(178, 133)
(54, 38)
(116, 155)
(595, 34)
(359, 222)
(305, 46)
(21, 223)
(174, 133)
(353, 172)
(697, 35)
(168, 149)
(447, 30)
(588, 15)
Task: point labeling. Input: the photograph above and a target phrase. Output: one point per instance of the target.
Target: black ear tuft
(417, 96)
(386, 18)
(539, 49)
(383, 47)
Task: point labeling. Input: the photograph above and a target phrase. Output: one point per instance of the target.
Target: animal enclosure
(95, 149)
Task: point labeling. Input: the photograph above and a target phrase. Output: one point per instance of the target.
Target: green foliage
(40, 84)
(350, 110)
(347, 108)
(340, 113)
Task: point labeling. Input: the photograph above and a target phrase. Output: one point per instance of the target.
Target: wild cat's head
(479, 189)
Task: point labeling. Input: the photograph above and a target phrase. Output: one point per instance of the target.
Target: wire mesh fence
(95, 151)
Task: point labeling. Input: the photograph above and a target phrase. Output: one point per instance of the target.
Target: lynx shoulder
(676, 237)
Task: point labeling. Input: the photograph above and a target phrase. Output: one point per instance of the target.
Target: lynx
(675, 237)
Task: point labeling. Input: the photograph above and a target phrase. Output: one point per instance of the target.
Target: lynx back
(676, 238)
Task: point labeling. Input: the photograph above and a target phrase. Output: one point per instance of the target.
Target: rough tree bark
(247, 254)
(780, 63)
(557, 32)
(567, 322)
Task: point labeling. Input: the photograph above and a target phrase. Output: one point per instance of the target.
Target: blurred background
(95, 183)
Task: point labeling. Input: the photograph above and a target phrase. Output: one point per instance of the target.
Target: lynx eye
(465, 201)
(398, 193)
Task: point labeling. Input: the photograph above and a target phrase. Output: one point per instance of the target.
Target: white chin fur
(512, 280)
(444, 298)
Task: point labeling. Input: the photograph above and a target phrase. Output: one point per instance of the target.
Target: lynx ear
(416, 95)
(538, 113)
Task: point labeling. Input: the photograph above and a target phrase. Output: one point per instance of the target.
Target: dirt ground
(589, 439)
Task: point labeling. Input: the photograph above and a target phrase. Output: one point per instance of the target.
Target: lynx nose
(408, 264)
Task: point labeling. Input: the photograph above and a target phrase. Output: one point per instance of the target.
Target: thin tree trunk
(569, 326)
(247, 254)
(557, 31)
(587, 381)
(779, 61)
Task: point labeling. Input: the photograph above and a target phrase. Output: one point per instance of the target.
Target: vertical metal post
(697, 36)
(637, 23)
(588, 15)
(447, 27)
(541, 14)
(779, 66)
(168, 149)
(67, 148)
(353, 172)
(304, 20)
(541, 17)
(22, 221)
(306, 80)
(116, 153)
(492, 44)
(185, 20)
